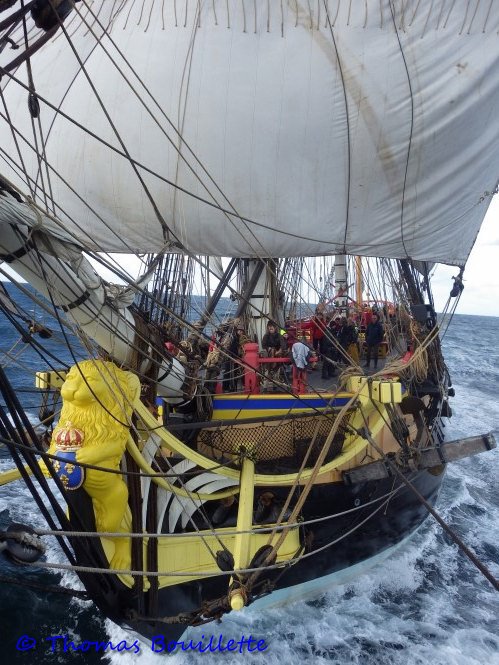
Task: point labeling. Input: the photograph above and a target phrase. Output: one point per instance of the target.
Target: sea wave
(427, 603)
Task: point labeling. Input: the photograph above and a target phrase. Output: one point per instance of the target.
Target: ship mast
(358, 281)
(260, 295)
(341, 275)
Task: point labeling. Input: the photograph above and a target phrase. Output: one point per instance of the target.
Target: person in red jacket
(318, 329)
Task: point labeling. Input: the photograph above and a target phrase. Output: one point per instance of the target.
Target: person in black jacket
(348, 334)
(234, 344)
(374, 337)
(328, 352)
(273, 342)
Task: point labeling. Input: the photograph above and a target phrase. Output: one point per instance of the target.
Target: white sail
(364, 128)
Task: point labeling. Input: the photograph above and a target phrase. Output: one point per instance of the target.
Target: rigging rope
(47, 588)
(459, 542)
(189, 534)
(218, 572)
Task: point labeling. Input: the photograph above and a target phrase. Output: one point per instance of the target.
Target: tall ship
(229, 215)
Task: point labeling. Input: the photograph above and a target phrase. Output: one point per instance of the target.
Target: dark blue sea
(426, 604)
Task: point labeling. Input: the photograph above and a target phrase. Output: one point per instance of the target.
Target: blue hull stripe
(252, 404)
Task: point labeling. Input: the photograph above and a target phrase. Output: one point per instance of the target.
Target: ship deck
(316, 383)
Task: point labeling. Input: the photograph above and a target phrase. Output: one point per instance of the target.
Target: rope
(151, 474)
(205, 573)
(82, 595)
(306, 490)
(136, 165)
(411, 128)
(14, 358)
(257, 530)
(464, 548)
(418, 361)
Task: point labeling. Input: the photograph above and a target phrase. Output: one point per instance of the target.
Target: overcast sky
(481, 276)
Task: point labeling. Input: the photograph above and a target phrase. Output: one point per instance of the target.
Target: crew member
(374, 337)
(273, 342)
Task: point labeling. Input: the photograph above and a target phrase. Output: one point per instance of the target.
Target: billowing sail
(258, 128)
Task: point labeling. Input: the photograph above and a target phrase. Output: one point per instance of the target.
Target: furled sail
(258, 128)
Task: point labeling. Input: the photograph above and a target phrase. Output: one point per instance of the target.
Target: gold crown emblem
(68, 438)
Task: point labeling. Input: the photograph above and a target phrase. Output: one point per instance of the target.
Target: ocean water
(426, 603)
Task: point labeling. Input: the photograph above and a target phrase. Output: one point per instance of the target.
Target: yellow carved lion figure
(98, 400)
